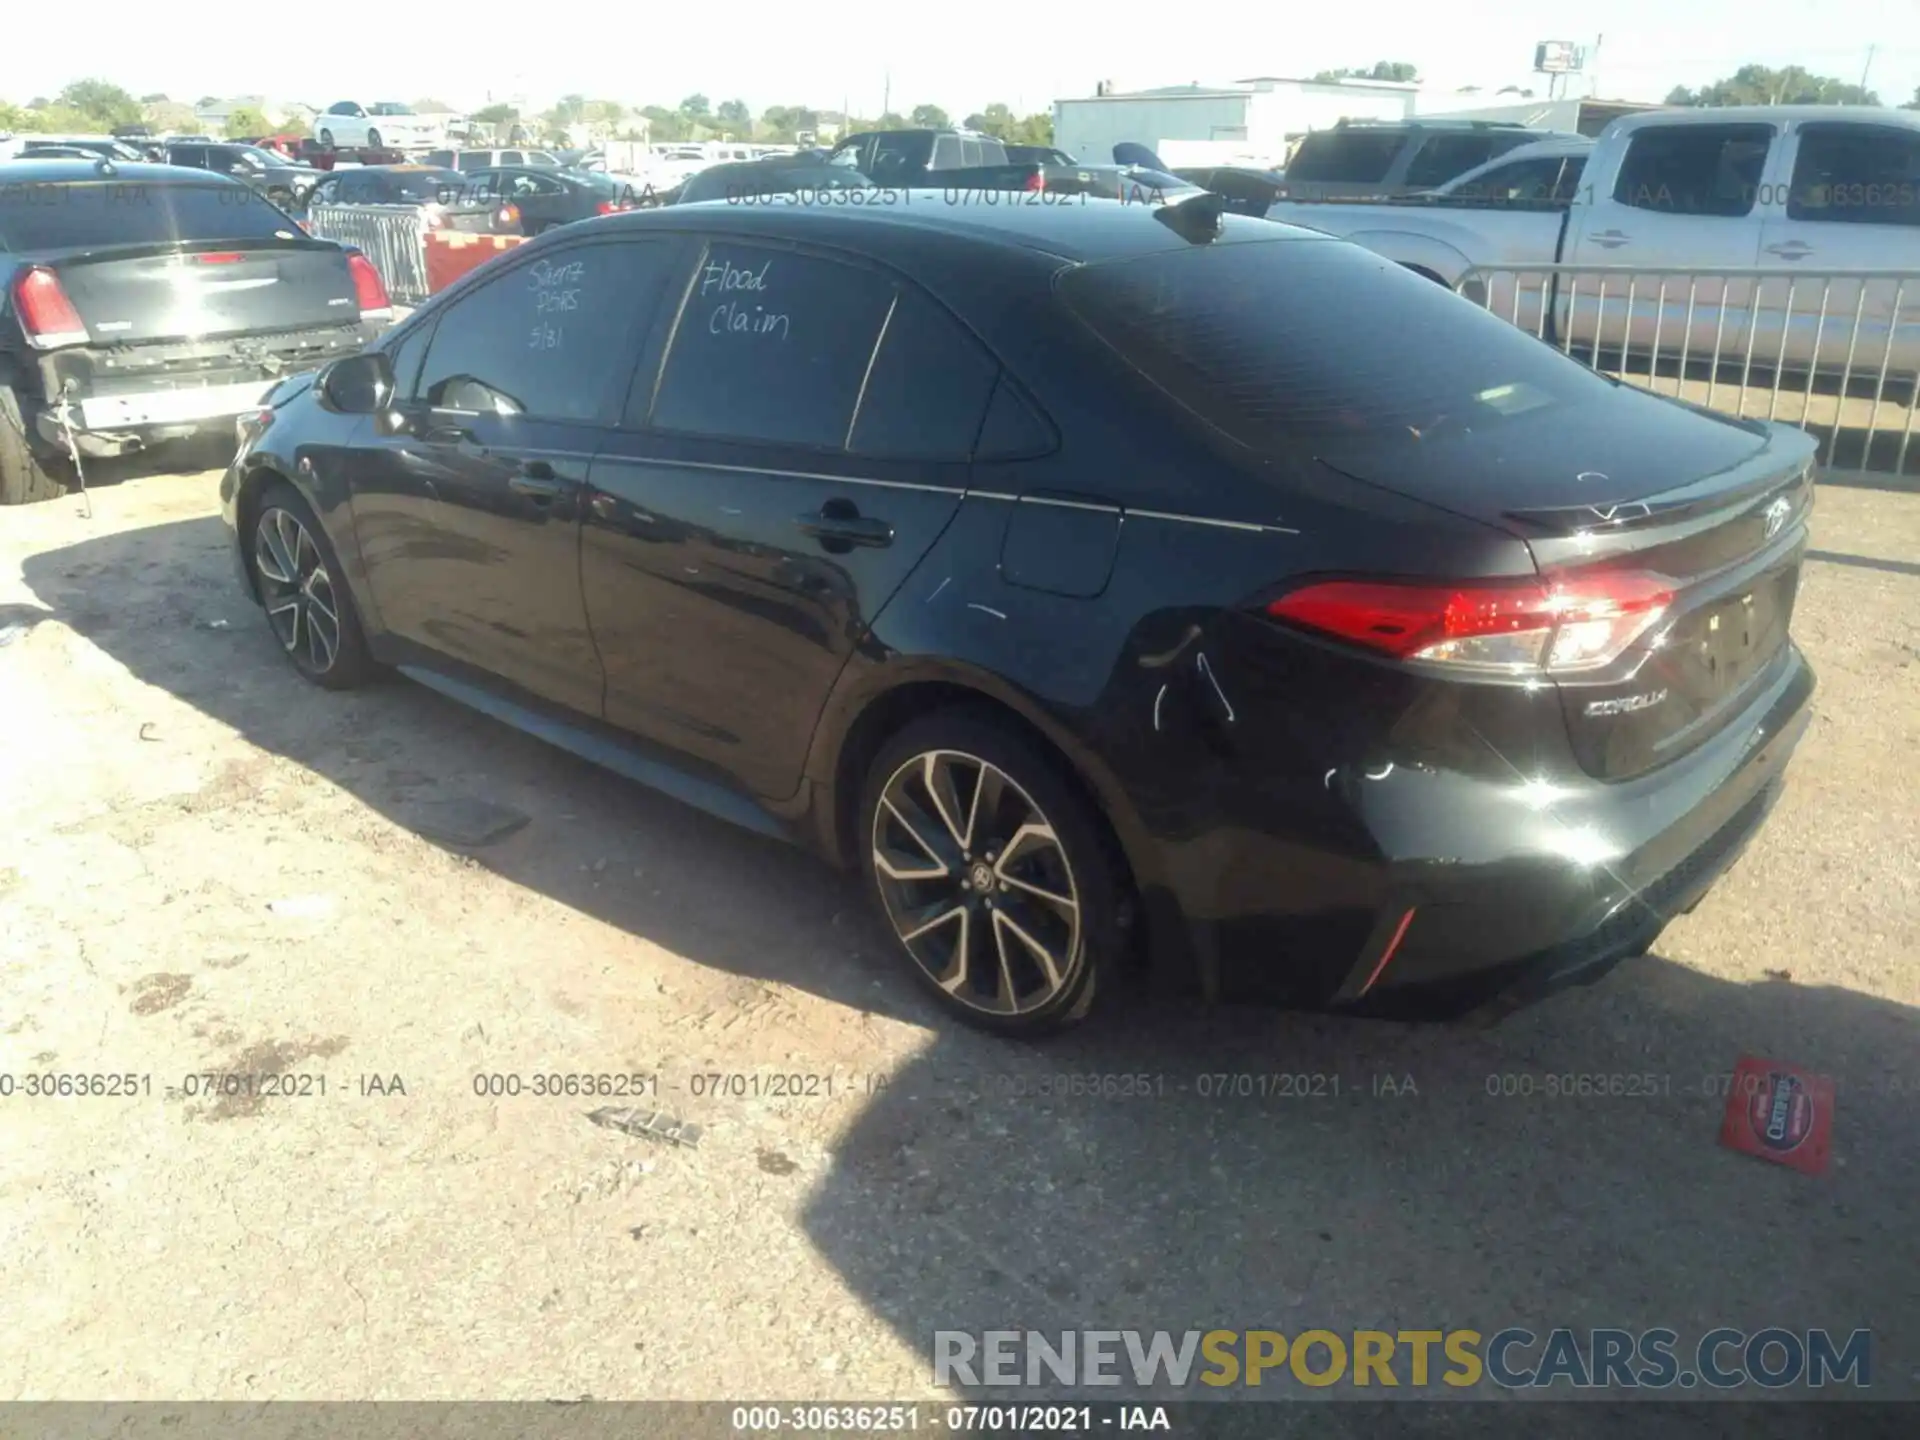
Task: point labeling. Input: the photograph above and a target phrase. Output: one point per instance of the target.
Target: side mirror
(358, 384)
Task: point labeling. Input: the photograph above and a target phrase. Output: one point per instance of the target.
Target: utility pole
(886, 95)
(1867, 69)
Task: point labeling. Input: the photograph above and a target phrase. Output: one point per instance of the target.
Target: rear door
(806, 442)
(1853, 203)
(1684, 200)
(469, 516)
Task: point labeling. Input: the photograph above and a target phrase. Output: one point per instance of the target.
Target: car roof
(1084, 231)
(62, 168)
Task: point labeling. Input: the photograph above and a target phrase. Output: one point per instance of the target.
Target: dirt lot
(206, 865)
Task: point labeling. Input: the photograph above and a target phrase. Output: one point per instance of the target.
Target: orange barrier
(452, 253)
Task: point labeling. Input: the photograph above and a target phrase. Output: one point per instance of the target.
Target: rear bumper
(1610, 866)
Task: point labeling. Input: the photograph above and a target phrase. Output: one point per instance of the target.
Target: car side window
(194, 155)
(549, 339)
(512, 157)
(405, 355)
(1442, 156)
(1694, 169)
(1856, 175)
(1518, 182)
(928, 389)
(772, 345)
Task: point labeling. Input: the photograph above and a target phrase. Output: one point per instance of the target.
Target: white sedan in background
(350, 125)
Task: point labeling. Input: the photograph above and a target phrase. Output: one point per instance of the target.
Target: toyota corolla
(1097, 581)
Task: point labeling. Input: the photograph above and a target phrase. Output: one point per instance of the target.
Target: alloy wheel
(976, 883)
(296, 590)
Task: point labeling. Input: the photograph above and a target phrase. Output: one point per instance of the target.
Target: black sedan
(266, 172)
(445, 199)
(750, 182)
(1077, 574)
(546, 198)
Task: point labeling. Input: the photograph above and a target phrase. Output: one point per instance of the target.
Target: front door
(469, 515)
(805, 445)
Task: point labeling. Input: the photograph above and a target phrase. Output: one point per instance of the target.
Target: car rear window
(419, 187)
(49, 216)
(1358, 157)
(1319, 344)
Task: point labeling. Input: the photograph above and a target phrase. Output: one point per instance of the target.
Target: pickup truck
(146, 303)
(934, 160)
(1805, 192)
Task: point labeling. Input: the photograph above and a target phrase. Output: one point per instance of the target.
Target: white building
(1253, 120)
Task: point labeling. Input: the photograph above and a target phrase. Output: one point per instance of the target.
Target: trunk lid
(203, 288)
(1717, 508)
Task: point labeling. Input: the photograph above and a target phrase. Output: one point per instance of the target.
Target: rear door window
(928, 389)
(1694, 169)
(1443, 156)
(1358, 157)
(1856, 174)
(1278, 345)
(772, 345)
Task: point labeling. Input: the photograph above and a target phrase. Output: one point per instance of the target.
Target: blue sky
(953, 55)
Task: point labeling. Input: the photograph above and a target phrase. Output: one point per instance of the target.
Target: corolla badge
(1776, 515)
(1627, 704)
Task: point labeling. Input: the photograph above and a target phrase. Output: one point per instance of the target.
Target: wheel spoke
(937, 776)
(1002, 923)
(270, 557)
(886, 864)
(1065, 904)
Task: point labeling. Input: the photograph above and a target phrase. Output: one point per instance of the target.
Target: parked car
(477, 160)
(147, 303)
(765, 179)
(1381, 158)
(266, 172)
(949, 159)
(1073, 572)
(105, 146)
(446, 199)
(348, 123)
(1038, 155)
(546, 198)
(1804, 188)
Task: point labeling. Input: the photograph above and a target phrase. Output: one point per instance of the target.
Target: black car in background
(546, 198)
(755, 181)
(1073, 573)
(446, 199)
(266, 172)
(1246, 189)
(149, 303)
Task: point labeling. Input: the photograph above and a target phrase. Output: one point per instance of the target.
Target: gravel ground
(206, 865)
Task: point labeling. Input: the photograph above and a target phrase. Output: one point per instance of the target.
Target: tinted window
(1519, 182)
(1280, 342)
(542, 157)
(476, 160)
(928, 388)
(41, 216)
(948, 153)
(772, 345)
(1360, 157)
(194, 155)
(512, 157)
(895, 157)
(406, 354)
(550, 339)
(1694, 169)
(1441, 157)
(1856, 174)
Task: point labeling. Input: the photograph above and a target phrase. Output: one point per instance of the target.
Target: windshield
(1320, 344)
(91, 213)
(388, 107)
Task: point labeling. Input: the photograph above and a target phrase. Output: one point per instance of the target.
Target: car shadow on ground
(1169, 1167)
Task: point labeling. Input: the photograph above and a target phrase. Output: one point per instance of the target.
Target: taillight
(223, 257)
(369, 289)
(611, 207)
(1581, 622)
(46, 314)
(509, 215)
(1035, 181)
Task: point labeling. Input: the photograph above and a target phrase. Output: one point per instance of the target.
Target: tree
(157, 98)
(1396, 70)
(1033, 130)
(13, 118)
(890, 120)
(696, 107)
(928, 117)
(163, 116)
(1914, 103)
(496, 115)
(665, 124)
(245, 121)
(103, 106)
(734, 115)
(1762, 85)
(997, 120)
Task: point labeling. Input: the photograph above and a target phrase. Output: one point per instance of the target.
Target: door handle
(461, 439)
(1610, 239)
(1791, 250)
(537, 482)
(834, 526)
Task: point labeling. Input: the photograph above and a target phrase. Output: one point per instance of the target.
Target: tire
(309, 610)
(326, 138)
(24, 478)
(373, 139)
(930, 860)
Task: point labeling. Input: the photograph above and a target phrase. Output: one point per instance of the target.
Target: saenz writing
(732, 317)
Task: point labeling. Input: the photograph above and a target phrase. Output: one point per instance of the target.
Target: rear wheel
(993, 874)
(308, 607)
(326, 138)
(373, 139)
(24, 478)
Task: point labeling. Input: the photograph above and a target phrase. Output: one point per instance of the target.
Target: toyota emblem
(1776, 515)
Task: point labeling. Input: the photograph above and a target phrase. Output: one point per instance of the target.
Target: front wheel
(993, 873)
(326, 138)
(308, 606)
(373, 139)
